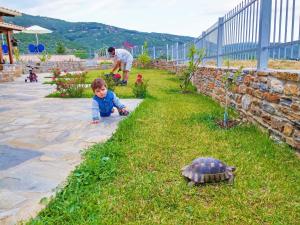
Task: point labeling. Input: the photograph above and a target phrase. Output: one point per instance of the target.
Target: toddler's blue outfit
(105, 105)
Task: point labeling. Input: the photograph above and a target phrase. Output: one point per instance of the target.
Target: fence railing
(254, 30)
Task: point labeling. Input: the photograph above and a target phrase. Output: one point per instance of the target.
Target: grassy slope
(141, 182)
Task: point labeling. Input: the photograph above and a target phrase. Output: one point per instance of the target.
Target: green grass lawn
(141, 183)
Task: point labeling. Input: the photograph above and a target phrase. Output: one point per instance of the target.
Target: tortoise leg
(191, 184)
(231, 178)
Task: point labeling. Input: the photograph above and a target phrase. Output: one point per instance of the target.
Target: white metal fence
(253, 30)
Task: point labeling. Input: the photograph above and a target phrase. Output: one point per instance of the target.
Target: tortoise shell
(203, 170)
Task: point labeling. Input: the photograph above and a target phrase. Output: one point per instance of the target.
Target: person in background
(123, 60)
(14, 43)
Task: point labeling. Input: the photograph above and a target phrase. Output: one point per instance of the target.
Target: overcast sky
(189, 17)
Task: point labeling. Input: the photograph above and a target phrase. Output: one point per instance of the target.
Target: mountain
(89, 36)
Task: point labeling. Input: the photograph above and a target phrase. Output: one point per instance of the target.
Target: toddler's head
(99, 87)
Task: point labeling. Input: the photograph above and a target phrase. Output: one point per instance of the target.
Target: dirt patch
(230, 123)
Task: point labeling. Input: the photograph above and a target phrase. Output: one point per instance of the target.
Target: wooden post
(1, 54)
(10, 53)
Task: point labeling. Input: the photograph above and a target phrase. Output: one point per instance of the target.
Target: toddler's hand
(123, 112)
(95, 122)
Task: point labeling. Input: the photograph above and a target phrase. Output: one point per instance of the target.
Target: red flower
(117, 76)
(139, 79)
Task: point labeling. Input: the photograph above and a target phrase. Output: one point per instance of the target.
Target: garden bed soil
(230, 124)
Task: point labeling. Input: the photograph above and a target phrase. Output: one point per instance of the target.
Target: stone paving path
(40, 143)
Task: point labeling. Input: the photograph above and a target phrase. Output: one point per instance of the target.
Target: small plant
(17, 54)
(195, 57)
(140, 87)
(229, 80)
(44, 57)
(144, 59)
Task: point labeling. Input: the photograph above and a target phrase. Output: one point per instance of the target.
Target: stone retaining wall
(64, 66)
(270, 99)
(9, 72)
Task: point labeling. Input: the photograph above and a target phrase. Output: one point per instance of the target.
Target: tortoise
(205, 170)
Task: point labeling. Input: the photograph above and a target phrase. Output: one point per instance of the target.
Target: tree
(60, 48)
(195, 57)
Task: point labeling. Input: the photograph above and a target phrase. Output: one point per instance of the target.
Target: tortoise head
(231, 168)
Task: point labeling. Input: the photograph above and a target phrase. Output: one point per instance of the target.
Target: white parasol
(36, 30)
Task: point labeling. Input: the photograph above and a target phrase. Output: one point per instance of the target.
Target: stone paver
(40, 143)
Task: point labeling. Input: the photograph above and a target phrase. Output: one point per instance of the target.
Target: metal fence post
(177, 53)
(203, 46)
(220, 41)
(184, 52)
(172, 52)
(264, 34)
(167, 53)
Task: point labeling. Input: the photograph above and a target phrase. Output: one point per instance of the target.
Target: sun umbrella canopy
(36, 30)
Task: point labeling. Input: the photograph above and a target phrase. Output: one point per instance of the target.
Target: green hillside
(87, 35)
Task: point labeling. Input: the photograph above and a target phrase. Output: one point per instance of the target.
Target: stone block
(267, 107)
(276, 85)
(262, 73)
(211, 86)
(291, 89)
(266, 118)
(249, 91)
(248, 79)
(277, 123)
(258, 94)
(255, 111)
(242, 89)
(263, 79)
(263, 87)
(246, 102)
(255, 85)
(270, 97)
(276, 136)
(286, 102)
(295, 107)
(288, 130)
(256, 102)
(286, 76)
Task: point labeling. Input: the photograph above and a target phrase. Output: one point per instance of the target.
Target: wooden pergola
(7, 29)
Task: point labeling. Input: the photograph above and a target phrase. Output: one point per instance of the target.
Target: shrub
(111, 80)
(144, 59)
(70, 85)
(140, 87)
(56, 72)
